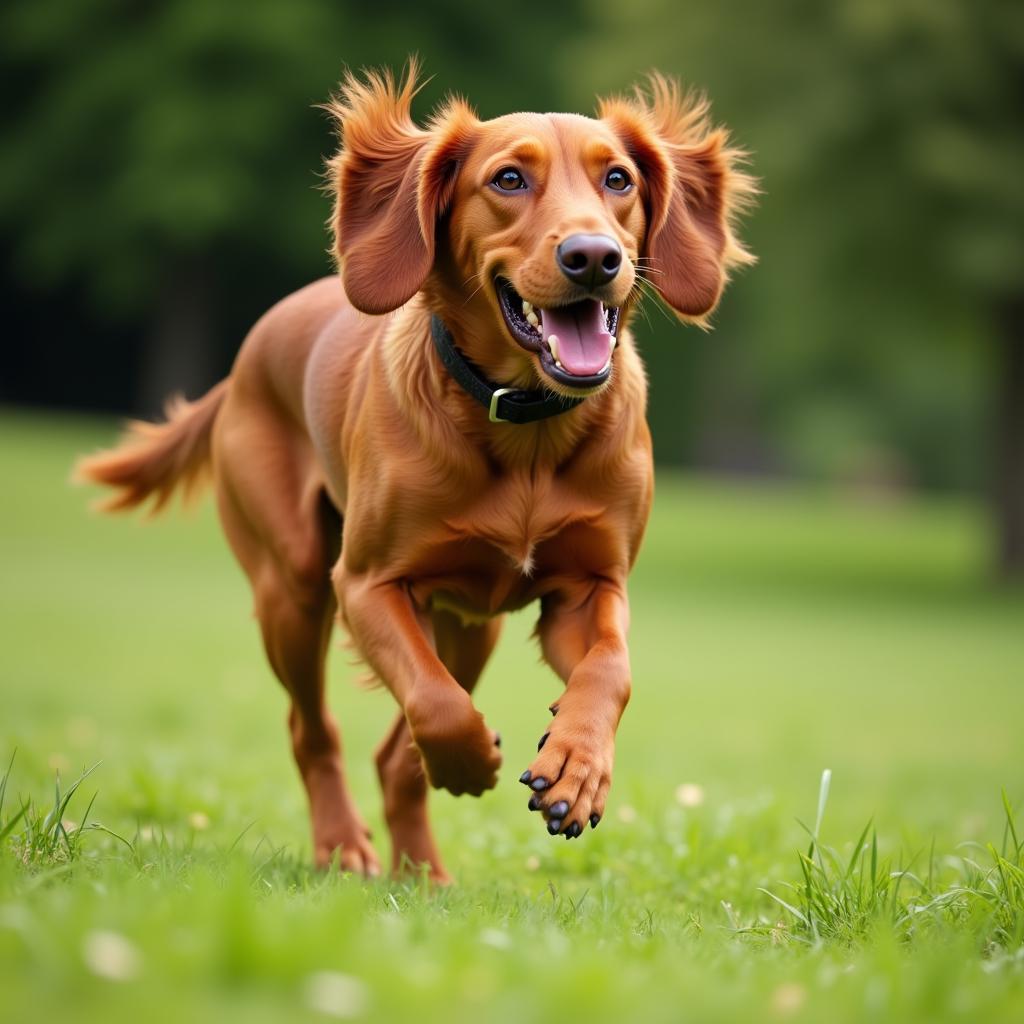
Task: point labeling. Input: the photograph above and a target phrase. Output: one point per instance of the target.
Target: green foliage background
(166, 156)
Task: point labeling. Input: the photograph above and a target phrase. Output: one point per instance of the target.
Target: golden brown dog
(518, 246)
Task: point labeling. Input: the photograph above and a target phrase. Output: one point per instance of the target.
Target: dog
(453, 427)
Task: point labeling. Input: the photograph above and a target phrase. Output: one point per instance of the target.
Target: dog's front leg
(583, 635)
(460, 753)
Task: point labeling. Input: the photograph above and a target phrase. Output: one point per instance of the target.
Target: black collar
(503, 405)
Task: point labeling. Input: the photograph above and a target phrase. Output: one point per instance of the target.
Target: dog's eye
(508, 179)
(618, 180)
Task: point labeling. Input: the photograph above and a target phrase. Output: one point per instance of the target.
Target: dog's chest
(519, 515)
(503, 549)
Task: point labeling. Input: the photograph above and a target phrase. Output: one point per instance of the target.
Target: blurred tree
(890, 140)
(160, 164)
(151, 139)
(162, 159)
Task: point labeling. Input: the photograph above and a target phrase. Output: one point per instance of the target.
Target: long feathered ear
(391, 181)
(694, 190)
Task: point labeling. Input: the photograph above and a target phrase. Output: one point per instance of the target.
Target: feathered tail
(154, 459)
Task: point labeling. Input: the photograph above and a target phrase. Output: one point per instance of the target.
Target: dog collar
(503, 405)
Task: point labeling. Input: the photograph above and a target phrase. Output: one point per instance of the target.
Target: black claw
(560, 810)
(543, 740)
(538, 784)
(534, 804)
(594, 819)
(525, 778)
(497, 739)
(554, 825)
(573, 830)
(553, 709)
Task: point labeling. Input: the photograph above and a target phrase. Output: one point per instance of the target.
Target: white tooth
(531, 318)
(615, 342)
(527, 306)
(553, 345)
(605, 368)
(559, 365)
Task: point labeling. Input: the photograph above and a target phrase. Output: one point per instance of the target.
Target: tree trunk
(1009, 442)
(180, 355)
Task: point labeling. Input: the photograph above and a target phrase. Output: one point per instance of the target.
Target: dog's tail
(153, 459)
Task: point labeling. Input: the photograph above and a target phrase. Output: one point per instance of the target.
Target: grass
(776, 632)
(842, 901)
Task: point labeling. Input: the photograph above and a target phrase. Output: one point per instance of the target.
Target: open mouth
(574, 343)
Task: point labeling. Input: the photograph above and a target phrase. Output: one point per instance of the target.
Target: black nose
(589, 260)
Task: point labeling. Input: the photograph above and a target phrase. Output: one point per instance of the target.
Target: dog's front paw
(460, 753)
(570, 776)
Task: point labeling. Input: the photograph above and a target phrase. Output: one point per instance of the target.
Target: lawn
(777, 632)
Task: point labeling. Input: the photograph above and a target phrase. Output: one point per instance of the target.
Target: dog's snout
(589, 260)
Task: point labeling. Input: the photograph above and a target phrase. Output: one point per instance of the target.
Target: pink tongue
(584, 344)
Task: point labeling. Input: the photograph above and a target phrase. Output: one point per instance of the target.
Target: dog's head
(535, 231)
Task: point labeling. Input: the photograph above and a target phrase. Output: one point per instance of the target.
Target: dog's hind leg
(286, 535)
(464, 650)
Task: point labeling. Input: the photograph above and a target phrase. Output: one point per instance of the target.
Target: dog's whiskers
(470, 296)
(645, 265)
(646, 289)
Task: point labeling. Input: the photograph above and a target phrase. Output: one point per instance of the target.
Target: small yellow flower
(788, 998)
(689, 794)
(111, 956)
(335, 994)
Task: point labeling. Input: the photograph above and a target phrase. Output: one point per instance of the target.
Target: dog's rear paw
(350, 846)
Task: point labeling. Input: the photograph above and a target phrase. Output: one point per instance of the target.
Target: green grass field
(776, 632)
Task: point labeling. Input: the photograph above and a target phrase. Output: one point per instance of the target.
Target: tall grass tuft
(844, 900)
(43, 836)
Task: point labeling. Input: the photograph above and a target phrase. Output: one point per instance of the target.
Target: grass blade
(826, 782)
(858, 849)
(7, 829)
(788, 906)
(1010, 823)
(7, 775)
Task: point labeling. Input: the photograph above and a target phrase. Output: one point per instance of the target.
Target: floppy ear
(693, 191)
(391, 181)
